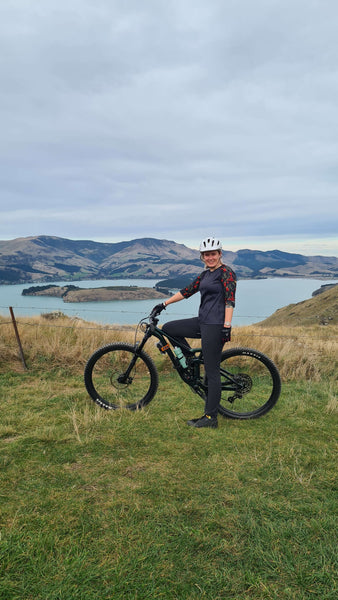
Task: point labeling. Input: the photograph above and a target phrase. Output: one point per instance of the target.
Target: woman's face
(211, 258)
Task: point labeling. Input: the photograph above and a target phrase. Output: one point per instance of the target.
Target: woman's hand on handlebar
(158, 309)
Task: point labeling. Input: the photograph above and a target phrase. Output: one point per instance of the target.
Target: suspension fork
(124, 377)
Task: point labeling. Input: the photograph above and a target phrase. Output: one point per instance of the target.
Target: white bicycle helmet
(210, 243)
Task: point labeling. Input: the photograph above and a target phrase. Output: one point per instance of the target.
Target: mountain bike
(122, 375)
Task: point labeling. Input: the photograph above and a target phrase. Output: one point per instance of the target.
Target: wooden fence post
(18, 338)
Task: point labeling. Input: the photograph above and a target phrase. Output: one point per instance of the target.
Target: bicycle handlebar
(153, 317)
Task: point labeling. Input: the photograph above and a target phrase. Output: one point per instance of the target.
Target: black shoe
(193, 421)
(205, 421)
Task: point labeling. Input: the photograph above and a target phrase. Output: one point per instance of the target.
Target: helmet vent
(210, 244)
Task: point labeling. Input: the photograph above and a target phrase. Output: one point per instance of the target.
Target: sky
(172, 119)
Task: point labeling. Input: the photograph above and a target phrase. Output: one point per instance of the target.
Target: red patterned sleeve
(229, 284)
(192, 288)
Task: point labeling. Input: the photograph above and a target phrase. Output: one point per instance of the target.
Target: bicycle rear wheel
(116, 377)
(251, 384)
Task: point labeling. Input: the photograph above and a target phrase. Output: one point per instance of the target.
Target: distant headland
(72, 293)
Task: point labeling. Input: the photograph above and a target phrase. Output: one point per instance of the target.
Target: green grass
(115, 505)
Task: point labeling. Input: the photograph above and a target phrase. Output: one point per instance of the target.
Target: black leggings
(212, 350)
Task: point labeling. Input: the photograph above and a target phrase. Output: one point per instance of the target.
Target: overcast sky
(172, 119)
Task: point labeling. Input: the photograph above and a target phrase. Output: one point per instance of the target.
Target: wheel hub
(244, 382)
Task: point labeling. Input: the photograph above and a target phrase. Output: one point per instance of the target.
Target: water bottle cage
(180, 357)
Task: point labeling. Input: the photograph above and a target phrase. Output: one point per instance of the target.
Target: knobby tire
(251, 384)
(107, 384)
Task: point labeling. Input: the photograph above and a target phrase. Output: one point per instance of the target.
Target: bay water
(256, 299)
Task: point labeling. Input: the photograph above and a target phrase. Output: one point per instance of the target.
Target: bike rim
(249, 386)
(117, 387)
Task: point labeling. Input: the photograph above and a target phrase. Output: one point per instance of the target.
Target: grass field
(114, 505)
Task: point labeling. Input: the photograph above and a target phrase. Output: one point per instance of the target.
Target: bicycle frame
(191, 375)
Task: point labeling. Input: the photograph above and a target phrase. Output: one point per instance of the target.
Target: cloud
(166, 118)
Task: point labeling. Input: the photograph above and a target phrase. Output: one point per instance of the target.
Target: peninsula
(72, 293)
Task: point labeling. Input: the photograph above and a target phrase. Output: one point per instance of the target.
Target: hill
(48, 258)
(45, 258)
(321, 309)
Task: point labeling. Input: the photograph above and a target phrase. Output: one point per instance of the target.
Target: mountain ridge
(49, 258)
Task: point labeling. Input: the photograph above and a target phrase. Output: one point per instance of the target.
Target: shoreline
(71, 293)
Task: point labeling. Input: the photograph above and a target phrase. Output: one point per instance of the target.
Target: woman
(217, 286)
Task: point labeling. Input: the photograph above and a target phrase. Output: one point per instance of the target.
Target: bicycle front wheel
(117, 377)
(251, 384)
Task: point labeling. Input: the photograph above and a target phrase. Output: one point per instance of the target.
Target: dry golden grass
(299, 352)
(58, 342)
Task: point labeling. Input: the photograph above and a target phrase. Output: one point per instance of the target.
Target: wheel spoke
(250, 383)
(115, 380)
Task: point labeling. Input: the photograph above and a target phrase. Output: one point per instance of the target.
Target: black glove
(226, 335)
(158, 309)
